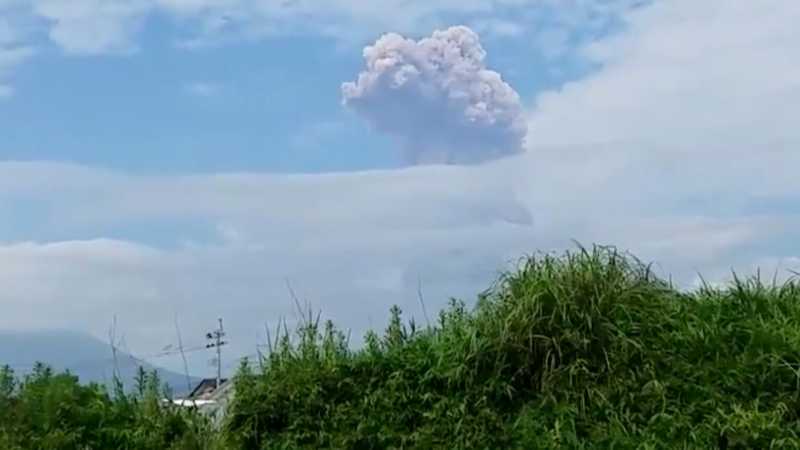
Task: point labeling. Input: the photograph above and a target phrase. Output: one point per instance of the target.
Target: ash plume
(438, 98)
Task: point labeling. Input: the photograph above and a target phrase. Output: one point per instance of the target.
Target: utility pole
(217, 342)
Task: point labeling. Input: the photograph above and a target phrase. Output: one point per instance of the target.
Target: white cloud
(443, 196)
(93, 26)
(682, 148)
(684, 71)
(498, 27)
(348, 242)
(689, 116)
(12, 53)
(352, 244)
(96, 26)
(688, 89)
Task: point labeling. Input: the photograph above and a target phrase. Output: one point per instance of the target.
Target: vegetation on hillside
(588, 350)
(49, 411)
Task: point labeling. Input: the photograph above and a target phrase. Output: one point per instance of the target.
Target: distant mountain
(83, 355)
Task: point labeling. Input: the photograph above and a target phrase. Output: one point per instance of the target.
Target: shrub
(585, 350)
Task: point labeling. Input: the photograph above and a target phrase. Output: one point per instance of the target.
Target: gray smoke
(437, 96)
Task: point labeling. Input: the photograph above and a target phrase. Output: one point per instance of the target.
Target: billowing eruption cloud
(437, 96)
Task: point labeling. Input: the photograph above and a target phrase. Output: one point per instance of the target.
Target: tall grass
(585, 350)
(48, 411)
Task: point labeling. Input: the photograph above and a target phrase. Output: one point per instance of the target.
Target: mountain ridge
(82, 355)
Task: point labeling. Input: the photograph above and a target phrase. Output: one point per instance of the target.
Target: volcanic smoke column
(437, 96)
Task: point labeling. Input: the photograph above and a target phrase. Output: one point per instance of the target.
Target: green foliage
(588, 350)
(49, 411)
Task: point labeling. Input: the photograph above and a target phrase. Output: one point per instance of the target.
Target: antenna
(217, 342)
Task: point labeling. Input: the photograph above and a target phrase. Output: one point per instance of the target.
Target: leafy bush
(48, 411)
(587, 350)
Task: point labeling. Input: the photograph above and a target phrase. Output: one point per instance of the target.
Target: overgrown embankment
(587, 350)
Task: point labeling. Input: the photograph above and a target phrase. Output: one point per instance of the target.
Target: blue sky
(271, 104)
(140, 112)
(163, 158)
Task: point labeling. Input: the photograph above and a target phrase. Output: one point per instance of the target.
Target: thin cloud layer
(233, 240)
(682, 147)
(101, 26)
(12, 52)
(452, 228)
(438, 98)
(96, 27)
(93, 26)
(694, 106)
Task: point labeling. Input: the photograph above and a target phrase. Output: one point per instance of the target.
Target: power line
(166, 353)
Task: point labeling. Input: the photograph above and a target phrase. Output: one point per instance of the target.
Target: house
(205, 388)
(208, 399)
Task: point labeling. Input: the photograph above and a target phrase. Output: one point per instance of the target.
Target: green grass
(586, 350)
(49, 411)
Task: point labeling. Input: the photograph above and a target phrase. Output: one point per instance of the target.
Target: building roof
(206, 387)
(188, 403)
